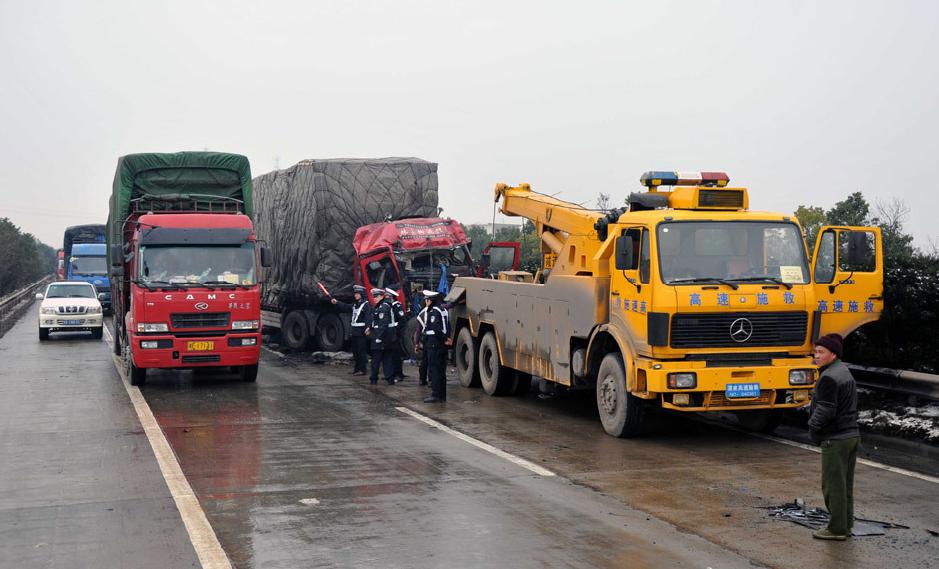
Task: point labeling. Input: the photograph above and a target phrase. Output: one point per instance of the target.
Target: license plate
(71, 322)
(200, 346)
(742, 390)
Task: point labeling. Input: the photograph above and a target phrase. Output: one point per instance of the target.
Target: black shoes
(358, 373)
(434, 400)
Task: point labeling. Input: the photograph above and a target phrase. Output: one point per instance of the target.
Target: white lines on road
(864, 461)
(478, 444)
(203, 538)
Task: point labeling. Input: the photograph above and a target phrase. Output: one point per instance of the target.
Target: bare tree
(603, 201)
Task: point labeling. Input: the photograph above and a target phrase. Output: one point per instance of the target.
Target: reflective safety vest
(356, 313)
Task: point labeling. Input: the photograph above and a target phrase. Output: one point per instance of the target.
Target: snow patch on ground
(910, 422)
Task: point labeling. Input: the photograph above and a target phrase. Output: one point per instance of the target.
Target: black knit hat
(834, 343)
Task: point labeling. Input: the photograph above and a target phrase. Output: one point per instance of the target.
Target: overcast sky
(802, 102)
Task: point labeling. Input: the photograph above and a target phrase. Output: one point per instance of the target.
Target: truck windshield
(198, 264)
(742, 251)
(88, 266)
(70, 291)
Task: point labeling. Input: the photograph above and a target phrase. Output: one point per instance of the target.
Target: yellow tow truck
(685, 299)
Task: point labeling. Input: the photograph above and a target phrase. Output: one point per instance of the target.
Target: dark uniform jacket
(436, 326)
(834, 405)
(361, 315)
(383, 333)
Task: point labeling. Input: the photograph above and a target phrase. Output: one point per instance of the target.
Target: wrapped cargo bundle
(308, 215)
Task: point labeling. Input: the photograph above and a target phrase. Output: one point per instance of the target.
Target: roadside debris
(817, 518)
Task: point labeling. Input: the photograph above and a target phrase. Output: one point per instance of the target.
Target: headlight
(800, 376)
(244, 325)
(47, 310)
(682, 380)
(149, 344)
(94, 310)
(153, 327)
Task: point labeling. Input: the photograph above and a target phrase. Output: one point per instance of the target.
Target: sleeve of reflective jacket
(343, 306)
(826, 404)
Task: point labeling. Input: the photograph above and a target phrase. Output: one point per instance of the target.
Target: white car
(70, 307)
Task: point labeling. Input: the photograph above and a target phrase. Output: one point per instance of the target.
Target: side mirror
(266, 257)
(100, 296)
(117, 257)
(859, 250)
(624, 253)
(39, 296)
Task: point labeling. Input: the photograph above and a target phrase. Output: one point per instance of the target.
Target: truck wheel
(760, 421)
(135, 375)
(116, 338)
(330, 335)
(295, 331)
(43, 334)
(620, 411)
(465, 355)
(249, 373)
(495, 378)
(407, 341)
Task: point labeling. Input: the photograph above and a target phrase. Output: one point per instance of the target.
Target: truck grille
(207, 359)
(714, 330)
(71, 309)
(200, 320)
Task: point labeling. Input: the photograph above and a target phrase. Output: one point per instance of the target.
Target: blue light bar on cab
(655, 179)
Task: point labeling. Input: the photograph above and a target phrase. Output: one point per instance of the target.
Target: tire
(465, 357)
(295, 331)
(117, 338)
(495, 378)
(98, 334)
(249, 373)
(135, 375)
(620, 411)
(43, 334)
(760, 421)
(522, 383)
(407, 341)
(330, 334)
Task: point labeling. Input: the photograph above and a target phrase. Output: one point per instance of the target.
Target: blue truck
(85, 255)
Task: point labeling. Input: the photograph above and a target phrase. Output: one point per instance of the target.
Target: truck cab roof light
(656, 178)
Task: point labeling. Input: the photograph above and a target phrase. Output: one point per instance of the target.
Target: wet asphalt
(311, 467)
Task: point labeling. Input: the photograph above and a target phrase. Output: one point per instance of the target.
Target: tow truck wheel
(620, 411)
(295, 331)
(761, 421)
(249, 373)
(135, 375)
(465, 355)
(407, 340)
(495, 378)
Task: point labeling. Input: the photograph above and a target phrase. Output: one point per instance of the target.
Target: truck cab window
(645, 258)
(636, 234)
(825, 261)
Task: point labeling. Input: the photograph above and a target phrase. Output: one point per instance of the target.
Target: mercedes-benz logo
(202, 306)
(741, 329)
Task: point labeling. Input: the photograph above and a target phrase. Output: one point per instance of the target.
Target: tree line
(23, 258)
(907, 334)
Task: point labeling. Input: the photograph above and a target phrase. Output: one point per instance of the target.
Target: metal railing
(13, 305)
(897, 380)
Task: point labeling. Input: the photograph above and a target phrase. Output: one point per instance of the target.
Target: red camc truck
(184, 263)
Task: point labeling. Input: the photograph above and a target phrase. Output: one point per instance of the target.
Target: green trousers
(838, 459)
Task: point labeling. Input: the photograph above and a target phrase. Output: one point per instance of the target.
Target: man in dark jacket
(436, 339)
(361, 318)
(833, 426)
(382, 336)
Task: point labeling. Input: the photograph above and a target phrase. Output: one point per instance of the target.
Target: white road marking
(203, 538)
(864, 461)
(309, 501)
(479, 444)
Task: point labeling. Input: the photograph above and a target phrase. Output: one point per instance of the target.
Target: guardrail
(13, 304)
(897, 380)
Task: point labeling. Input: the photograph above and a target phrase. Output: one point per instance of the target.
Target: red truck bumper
(168, 351)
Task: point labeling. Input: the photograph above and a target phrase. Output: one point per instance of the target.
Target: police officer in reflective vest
(436, 338)
(383, 336)
(361, 318)
(400, 318)
(419, 339)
